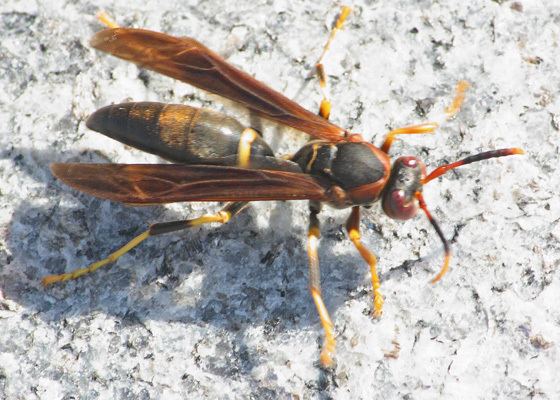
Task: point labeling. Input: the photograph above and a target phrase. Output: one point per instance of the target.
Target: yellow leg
(75, 274)
(313, 236)
(222, 217)
(325, 108)
(429, 127)
(353, 228)
(330, 344)
(248, 136)
(106, 20)
(326, 105)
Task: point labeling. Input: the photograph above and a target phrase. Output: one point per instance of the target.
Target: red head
(399, 196)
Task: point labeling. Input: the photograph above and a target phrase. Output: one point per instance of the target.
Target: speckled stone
(224, 313)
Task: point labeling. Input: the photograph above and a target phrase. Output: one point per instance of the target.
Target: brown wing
(168, 183)
(190, 61)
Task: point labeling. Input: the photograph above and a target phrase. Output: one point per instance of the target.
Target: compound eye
(410, 162)
(398, 205)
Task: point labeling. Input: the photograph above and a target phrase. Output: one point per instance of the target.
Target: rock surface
(225, 312)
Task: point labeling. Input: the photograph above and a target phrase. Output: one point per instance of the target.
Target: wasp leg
(353, 229)
(247, 138)
(106, 20)
(326, 105)
(325, 108)
(222, 216)
(313, 236)
(429, 127)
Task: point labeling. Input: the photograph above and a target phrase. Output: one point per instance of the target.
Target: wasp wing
(169, 183)
(190, 61)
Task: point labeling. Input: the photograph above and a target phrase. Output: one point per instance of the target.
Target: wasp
(216, 158)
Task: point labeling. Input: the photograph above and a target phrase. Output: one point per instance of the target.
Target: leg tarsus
(329, 344)
(326, 105)
(429, 127)
(77, 273)
(222, 216)
(353, 229)
(315, 286)
(344, 12)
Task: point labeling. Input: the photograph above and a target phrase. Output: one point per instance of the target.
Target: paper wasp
(218, 159)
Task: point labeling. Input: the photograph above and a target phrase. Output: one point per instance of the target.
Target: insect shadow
(232, 277)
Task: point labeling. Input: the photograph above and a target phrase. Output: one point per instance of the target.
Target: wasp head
(399, 196)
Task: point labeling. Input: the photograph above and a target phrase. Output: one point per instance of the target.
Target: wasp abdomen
(175, 132)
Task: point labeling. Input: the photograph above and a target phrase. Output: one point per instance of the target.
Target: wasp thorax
(399, 200)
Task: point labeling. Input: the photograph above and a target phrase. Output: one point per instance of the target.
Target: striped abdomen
(175, 132)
